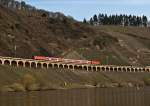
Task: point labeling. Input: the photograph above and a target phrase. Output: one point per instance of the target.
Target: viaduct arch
(30, 63)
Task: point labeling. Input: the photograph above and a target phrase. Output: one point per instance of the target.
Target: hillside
(25, 33)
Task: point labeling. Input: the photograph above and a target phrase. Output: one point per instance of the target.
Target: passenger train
(73, 61)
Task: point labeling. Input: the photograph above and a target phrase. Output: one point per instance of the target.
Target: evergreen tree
(91, 21)
(135, 21)
(23, 4)
(145, 21)
(138, 21)
(84, 21)
(105, 20)
(113, 20)
(95, 19)
(122, 19)
(100, 18)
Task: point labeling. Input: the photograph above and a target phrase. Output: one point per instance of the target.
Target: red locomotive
(54, 59)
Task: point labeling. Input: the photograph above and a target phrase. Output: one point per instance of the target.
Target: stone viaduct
(31, 63)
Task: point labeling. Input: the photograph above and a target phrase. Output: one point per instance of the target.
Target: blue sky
(86, 8)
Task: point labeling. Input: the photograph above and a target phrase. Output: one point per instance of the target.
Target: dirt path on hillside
(130, 43)
(121, 56)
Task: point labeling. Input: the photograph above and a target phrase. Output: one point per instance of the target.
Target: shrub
(33, 87)
(104, 40)
(65, 83)
(17, 87)
(147, 80)
(44, 15)
(17, 25)
(7, 89)
(28, 80)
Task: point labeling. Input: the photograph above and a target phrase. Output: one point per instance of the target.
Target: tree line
(122, 19)
(22, 5)
(13, 4)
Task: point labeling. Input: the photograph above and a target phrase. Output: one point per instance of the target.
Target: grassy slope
(54, 78)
